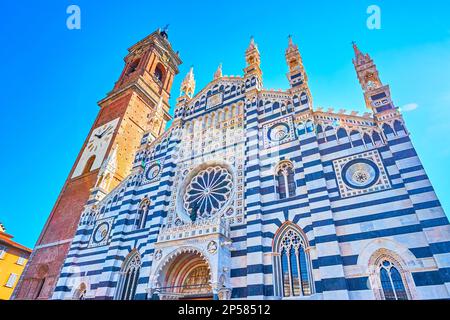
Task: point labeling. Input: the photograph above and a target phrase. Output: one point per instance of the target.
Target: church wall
(346, 227)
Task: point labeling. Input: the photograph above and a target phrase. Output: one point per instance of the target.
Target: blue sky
(52, 77)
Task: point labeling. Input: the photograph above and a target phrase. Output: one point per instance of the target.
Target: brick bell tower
(138, 103)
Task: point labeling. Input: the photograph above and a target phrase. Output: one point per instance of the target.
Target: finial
(290, 40)
(356, 49)
(252, 44)
(188, 83)
(291, 46)
(164, 31)
(189, 75)
(218, 73)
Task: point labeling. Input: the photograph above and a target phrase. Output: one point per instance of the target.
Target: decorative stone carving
(212, 247)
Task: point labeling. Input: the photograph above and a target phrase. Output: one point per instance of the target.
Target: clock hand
(103, 133)
(100, 134)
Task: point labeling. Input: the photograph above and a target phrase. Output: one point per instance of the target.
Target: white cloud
(409, 107)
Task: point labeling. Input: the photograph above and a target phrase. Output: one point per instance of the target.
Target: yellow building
(13, 258)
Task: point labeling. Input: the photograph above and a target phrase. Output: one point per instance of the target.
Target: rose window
(360, 174)
(208, 191)
(278, 132)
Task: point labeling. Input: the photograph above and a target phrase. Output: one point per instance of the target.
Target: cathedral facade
(255, 194)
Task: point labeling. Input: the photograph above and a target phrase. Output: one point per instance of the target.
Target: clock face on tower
(96, 147)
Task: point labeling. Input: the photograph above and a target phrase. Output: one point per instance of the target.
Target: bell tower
(252, 72)
(139, 102)
(377, 96)
(297, 77)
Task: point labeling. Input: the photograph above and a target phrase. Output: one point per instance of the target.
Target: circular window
(101, 232)
(153, 171)
(278, 132)
(360, 173)
(208, 192)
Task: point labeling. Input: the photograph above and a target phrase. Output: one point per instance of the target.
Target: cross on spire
(164, 31)
(356, 49)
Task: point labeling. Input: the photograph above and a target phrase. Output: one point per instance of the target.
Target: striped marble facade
(346, 223)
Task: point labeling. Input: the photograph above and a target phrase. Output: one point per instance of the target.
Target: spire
(297, 75)
(291, 46)
(252, 53)
(252, 44)
(360, 58)
(356, 49)
(188, 84)
(377, 95)
(252, 72)
(190, 74)
(218, 73)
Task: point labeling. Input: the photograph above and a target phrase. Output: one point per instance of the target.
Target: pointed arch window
(392, 283)
(285, 180)
(341, 134)
(398, 127)
(292, 271)
(142, 214)
(129, 276)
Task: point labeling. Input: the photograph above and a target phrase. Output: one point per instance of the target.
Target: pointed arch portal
(186, 275)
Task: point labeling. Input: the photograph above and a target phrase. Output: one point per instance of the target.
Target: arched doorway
(185, 275)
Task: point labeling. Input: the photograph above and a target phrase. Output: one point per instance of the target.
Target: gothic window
(275, 106)
(309, 126)
(367, 140)
(291, 263)
(290, 108)
(304, 98)
(392, 283)
(376, 138)
(387, 129)
(319, 129)
(142, 214)
(398, 127)
(330, 134)
(129, 276)
(301, 129)
(356, 138)
(341, 133)
(285, 180)
(89, 164)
